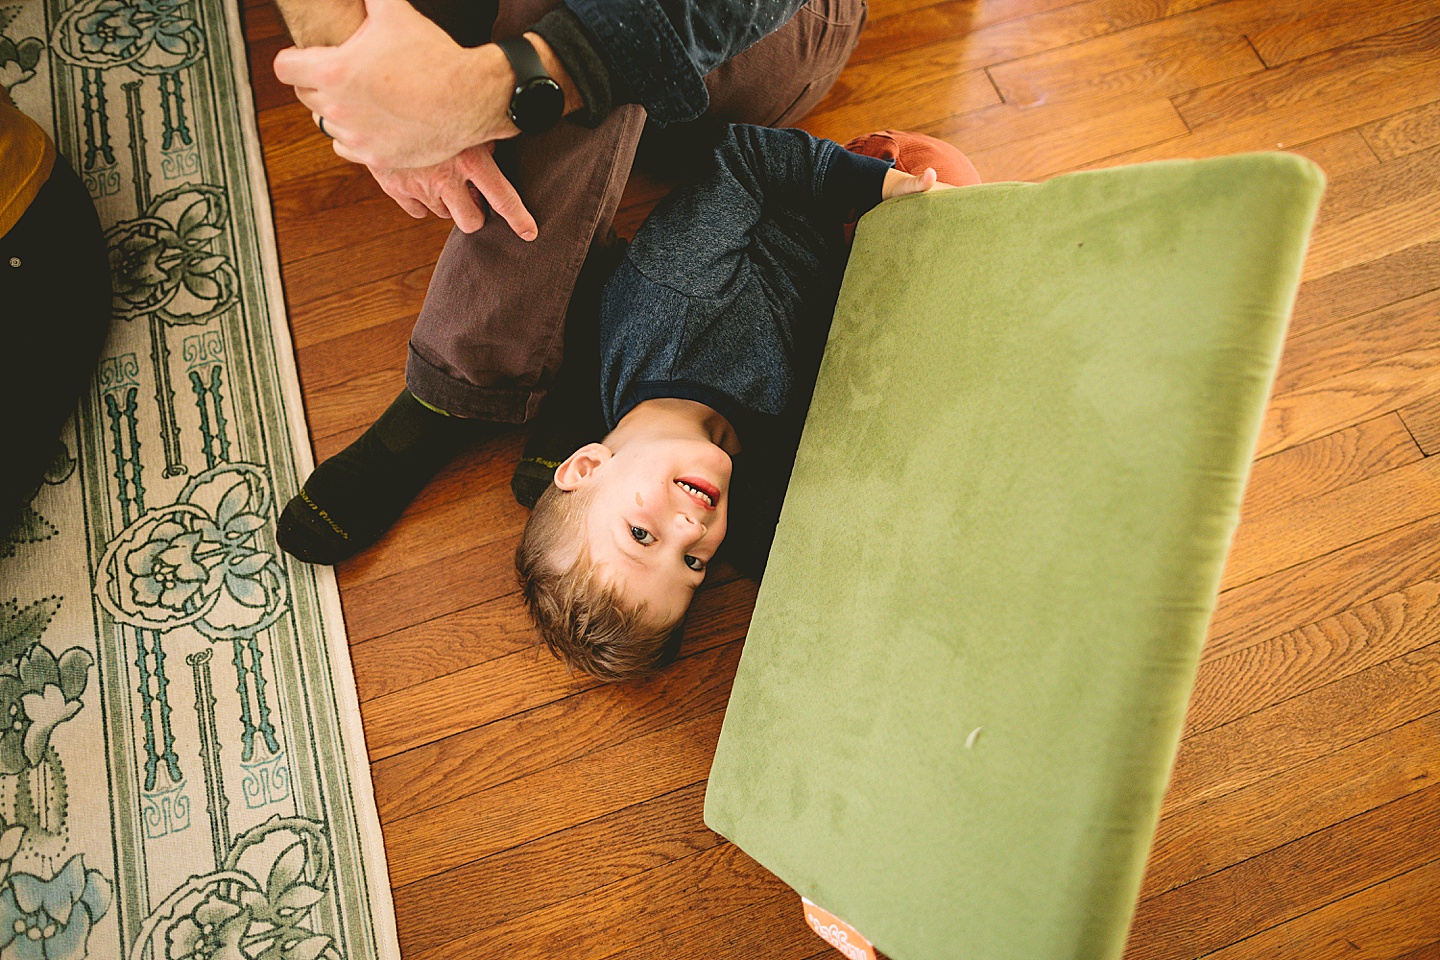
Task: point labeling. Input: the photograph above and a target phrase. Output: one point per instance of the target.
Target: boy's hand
(900, 184)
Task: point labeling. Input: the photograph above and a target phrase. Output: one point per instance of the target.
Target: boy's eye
(694, 563)
(642, 536)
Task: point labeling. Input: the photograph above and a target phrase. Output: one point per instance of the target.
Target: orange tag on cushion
(837, 932)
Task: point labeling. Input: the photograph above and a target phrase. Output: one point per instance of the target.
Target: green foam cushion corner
(1018, 481)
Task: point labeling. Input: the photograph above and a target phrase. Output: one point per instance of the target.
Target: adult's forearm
(329, 23)
(321, 23)
(401, 92)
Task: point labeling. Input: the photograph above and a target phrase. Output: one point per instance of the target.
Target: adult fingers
(480, 169)
(464, 210)
(396, 189)
(409, 204)
(432, 202)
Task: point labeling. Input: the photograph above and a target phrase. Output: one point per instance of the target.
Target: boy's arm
(696, 238)
(788, 167)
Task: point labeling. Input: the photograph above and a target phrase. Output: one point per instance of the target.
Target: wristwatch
(538, 102)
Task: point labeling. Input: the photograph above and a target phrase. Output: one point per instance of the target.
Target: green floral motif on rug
(182, 768)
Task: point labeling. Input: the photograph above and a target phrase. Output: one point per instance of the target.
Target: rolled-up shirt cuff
(600, 90)
(642, 50)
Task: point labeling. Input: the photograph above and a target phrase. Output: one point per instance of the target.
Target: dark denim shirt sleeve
(661, 50)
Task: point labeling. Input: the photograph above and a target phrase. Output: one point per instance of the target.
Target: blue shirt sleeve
(767, 201)
(662, 49)
(790, 168)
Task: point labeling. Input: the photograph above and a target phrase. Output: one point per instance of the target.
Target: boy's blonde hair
(580, 618)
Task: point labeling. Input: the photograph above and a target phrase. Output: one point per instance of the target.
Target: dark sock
(352, 499)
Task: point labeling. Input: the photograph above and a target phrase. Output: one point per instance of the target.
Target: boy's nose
(689, 526)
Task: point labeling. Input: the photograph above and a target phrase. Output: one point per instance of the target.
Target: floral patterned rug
(182, 767)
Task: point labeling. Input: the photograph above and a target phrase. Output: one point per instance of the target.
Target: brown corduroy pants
(489, 338)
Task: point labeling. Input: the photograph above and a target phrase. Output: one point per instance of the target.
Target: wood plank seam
(1318, 909)
(1109, 159)
(1409, 430)
(1314, 693)
(1329, 551)
(1273, 851)
(585, 686)
(1250, 40)
(1413, 545)
(557, 702)
(480, 862)
(1298, 662)
(1203, 767)
(1297, 342)
(1277, 453)
(1311, 916)
(991, 77)
(398, 805)
(1368, 145)
(1261, 817)
(1136, 25)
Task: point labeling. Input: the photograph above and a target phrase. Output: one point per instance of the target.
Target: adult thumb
(301, 67)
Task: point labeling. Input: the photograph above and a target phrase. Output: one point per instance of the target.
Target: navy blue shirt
(728, 288)
(726, 296)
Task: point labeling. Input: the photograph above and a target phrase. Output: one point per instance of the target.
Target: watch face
(537, 105)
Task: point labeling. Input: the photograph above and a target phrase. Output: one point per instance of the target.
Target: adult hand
(458, 189)
(399, 92)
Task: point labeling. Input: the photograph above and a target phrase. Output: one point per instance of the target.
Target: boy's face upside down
(657, 500)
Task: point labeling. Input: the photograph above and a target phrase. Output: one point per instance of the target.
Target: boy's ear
(581, 464)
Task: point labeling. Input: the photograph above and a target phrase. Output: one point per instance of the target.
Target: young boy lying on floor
(710, 337)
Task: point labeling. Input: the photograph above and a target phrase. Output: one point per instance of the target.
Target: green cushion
(1018, 481)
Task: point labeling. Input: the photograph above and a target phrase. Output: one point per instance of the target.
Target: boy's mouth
(703, 492)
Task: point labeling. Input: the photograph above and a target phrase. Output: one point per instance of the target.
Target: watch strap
(523, 59)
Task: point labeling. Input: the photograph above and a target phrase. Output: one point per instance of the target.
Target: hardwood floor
(530, 814)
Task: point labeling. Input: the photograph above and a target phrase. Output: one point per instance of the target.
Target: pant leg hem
(435, 387)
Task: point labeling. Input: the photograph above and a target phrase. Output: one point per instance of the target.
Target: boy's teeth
(699, 493)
